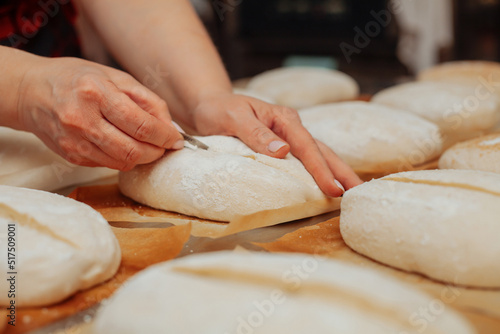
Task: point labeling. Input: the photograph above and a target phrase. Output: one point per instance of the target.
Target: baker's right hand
(93, 115)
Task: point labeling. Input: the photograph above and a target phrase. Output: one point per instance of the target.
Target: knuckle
(132, 156)
(66, 145)
(87, 88)
(289, 113)
(144, 131)
(71, 119)
(261, 134)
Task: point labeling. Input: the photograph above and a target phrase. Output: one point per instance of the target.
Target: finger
(147, 100)
(127, 151)
(80, 151)
(342, 172)
(127, 116)
(259, 137)
(287, 125)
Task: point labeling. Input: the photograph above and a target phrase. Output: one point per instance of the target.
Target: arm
(90, 114)
(169, 38)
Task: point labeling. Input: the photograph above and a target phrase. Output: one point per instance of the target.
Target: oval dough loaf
(373, 138)
(481, 153)
(301, 87)
(469, 71)
(25, 161)
(260, 293)
(62, 246)
(226, 181)
(441, 223)
(454, 107)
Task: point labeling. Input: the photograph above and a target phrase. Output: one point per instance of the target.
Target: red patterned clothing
(43, 27)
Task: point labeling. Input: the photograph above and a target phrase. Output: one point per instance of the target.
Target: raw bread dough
(482, 153)
(260, 293)
(301, 87)
(441, 223)
(457, 108)
(226, 181)
(373, 138)
(25, 161)
(465, 72)
(62, 246)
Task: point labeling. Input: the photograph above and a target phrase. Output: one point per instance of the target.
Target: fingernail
(274, 146)
(178, 129)
(178, 145)
(340, 185)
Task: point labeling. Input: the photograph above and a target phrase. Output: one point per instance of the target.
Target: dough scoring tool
(195, 142)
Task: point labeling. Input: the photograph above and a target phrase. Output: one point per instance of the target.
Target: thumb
(261, 139)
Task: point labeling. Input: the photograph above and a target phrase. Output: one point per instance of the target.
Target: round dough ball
(228, 292)
(469, 71)
(62, 246)
(459, 110)
(373, 138)
(481, 153)
(441, 223)
(226, 181)
(301, 87)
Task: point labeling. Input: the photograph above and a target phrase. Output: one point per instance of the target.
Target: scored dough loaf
(226, 181)
(261, 293)
(481, 153)
(440, 223)
(301, 87)
(373, 138)
(456, 108)
(25, 161)
(469, 71)
(62, 246)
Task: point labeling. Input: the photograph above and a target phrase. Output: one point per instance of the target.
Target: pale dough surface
(372, 137)
(227, 181)
(481, 153)
(25, 161)
(243, 292)
(301, 87)
(458, 109)
(465, 72)
(62, 246)
(441, 223)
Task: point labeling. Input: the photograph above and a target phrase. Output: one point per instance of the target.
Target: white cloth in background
(426, 26)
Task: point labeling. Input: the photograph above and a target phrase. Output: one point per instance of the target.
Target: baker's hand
(274, 131)
(94, 115)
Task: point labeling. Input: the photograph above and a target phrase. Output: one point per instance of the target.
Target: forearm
(14, 65)
(165, 46)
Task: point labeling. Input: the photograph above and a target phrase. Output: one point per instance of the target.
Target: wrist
(29, 94)
(16, 65)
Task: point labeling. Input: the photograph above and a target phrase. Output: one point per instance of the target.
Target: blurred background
(378, 42)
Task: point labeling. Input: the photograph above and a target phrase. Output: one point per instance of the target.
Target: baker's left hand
(273, 130)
